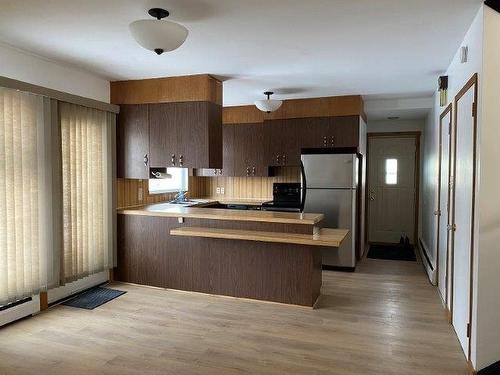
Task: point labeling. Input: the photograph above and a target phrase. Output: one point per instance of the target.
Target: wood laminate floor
(383, 319)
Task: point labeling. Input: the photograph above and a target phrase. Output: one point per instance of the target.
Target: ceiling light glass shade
(268, 105)
(157, 35)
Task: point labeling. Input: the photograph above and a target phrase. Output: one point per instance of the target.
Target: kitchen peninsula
(271, 256)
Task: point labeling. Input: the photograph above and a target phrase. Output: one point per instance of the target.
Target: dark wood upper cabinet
(346, 131)
(342, 131)
(162, 134)
(283, 141)
(248, 156)
(228, 151)
(132, 142)
(273, 142)
(187, 134)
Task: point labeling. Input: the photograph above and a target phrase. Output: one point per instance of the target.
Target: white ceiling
(298, 48)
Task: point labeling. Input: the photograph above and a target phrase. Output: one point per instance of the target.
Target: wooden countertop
(168, 210)
(324, 237)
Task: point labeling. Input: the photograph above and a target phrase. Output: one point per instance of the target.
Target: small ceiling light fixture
(268, 105)
(158, 35)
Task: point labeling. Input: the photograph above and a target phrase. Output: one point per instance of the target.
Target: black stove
(286, 198)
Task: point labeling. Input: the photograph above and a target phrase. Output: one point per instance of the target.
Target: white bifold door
(443, 212)
(463, 229)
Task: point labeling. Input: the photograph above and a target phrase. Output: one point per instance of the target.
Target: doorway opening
(393, 195)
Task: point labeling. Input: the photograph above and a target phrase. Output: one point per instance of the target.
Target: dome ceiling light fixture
(158, 35)
(268, 105)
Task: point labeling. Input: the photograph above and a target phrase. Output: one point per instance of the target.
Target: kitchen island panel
(149, 255)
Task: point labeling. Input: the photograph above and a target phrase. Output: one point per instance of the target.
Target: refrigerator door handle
(304, 186)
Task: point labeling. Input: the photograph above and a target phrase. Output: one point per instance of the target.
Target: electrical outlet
(217, 190)
(140, 195)
(222, 191)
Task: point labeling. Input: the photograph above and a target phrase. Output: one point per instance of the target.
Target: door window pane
(391, 171)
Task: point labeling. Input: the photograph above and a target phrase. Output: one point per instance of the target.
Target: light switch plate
(217, 190)
(140, 194)
(222, 191)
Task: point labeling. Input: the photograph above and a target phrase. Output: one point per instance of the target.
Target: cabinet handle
(333, 140)
(181, 160)
(253, 171)
(220, 172)
(216, 171)
(277, 159)
(284, 159)
(325, 141)
(173, 160)
(146, 160)
(248, 171)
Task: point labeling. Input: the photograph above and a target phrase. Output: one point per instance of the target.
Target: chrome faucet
(180, 196)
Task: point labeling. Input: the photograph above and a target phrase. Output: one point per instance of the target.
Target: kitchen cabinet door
(273, 142)
(346, 131)
(315, 132)
(162, 134)
(293, 130)
(132, 142)
(248, 150)
(191, 121)
(228, 151)
(253, 149)
(186, 134)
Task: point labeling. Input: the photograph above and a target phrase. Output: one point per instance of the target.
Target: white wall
(26, 67)
(487, 291)
(458, 74)
(484, 59)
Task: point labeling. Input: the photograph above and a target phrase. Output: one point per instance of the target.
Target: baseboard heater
(19, 310)
(429, 268)
(494, 4)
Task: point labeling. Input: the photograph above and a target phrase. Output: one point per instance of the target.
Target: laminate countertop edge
(224, 214)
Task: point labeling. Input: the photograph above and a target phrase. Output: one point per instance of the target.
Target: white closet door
(443, 240)
(463, 214)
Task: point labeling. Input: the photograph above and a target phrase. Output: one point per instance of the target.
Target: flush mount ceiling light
(158, 35)
(268, 105)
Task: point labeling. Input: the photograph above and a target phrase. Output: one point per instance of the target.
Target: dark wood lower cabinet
(148, 255)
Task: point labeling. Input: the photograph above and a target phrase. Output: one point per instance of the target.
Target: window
(176, 179)
(391, 171)
(86, 136)
(24, 253)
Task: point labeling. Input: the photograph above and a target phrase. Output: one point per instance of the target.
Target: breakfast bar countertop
(172, 210)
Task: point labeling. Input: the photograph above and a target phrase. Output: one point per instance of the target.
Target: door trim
(416, 135)
(473, 82)
(448, 110)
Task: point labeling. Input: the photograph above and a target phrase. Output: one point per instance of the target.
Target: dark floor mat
(392, 252)
(93, 298)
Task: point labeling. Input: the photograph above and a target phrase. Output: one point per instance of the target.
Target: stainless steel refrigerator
(330, 187)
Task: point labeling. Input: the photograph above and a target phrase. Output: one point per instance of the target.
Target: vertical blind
(24, 254)
(86, 141)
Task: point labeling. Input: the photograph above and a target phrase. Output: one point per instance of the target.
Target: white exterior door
(444, 203)
(391, 184)
(463, 214)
